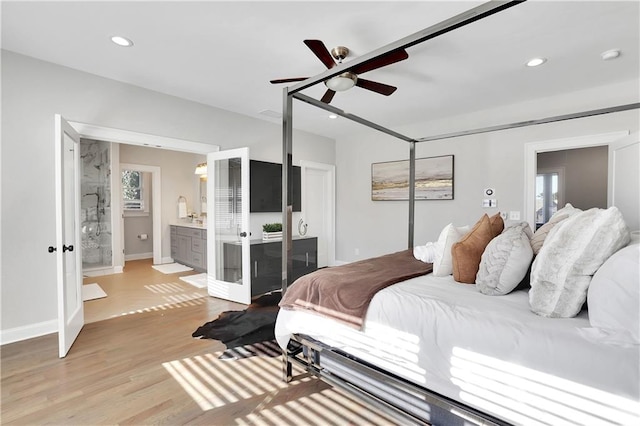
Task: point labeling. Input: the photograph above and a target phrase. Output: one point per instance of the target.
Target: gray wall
(484, 160)
(177, 179)
(585, 174)
(33, 91)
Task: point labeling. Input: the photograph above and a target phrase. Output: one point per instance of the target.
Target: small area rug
(240, 328)
(92, 291)
(197, 280)
(171, 268)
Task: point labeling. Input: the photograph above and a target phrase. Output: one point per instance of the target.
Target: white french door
(228, 248)
(68, 249)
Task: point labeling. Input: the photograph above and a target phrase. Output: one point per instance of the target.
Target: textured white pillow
(571, 254)
(614, 295)
(443, 261)
(505, 261)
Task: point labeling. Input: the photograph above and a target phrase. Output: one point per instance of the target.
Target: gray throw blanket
(344, 292)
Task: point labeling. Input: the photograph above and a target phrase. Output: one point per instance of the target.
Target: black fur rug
(239, 328)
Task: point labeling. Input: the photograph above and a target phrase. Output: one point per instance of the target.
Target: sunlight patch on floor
(173, 304)
(213, 382)
(533, 397)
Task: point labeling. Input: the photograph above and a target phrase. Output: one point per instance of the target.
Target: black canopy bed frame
(392, 394)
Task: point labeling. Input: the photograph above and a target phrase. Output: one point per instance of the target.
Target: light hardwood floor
(139, 288)
(145, 368)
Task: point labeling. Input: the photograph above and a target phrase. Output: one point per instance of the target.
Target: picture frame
(434, 179)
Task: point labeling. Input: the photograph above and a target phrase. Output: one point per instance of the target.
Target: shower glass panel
(95, 206)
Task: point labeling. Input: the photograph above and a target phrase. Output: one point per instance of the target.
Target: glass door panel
(229, 259)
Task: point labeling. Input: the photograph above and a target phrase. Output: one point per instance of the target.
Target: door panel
(624, 178)
(68, 254)
(229, 271)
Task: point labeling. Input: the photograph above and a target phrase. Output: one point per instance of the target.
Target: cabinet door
(266, 267)
(305, 257)
(184, 249)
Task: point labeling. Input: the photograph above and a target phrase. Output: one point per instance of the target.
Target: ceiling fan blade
(383, 61)
(321, 51)
(328, 96)
(374, 86)
(287, 80)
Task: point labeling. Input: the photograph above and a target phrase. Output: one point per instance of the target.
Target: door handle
(67, 248)
(51, 249)
(243, 234)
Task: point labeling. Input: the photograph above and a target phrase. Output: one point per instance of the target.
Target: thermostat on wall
(489, 192)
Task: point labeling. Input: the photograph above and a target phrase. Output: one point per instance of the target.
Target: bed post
(287, 165)
(412, 189)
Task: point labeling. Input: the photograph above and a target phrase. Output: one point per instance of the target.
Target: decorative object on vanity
(434, 179)
(272, 232)
(347, 80)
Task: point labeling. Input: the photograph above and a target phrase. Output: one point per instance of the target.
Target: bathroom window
(134, 192)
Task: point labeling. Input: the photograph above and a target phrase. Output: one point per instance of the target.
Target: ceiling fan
(347, 80)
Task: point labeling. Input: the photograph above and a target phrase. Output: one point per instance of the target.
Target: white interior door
(318, 211)
(228, 228)
(68, 252)
(624, 178)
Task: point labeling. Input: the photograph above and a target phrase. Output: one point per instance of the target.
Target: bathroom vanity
(189, 245)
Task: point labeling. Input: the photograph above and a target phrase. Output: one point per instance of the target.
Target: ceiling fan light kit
(342, 82)
(348, 79)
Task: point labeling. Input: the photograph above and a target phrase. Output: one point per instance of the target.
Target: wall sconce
(201, 170)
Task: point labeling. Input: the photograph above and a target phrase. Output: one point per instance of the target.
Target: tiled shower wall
(95, 205)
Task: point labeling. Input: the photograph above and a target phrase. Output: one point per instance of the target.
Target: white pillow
(571, 254)
(443, 261)
(505, 261)
(614, 295)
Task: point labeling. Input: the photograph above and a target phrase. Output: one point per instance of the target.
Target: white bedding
(489, 352)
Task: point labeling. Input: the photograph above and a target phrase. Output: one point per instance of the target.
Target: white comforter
(489, 352)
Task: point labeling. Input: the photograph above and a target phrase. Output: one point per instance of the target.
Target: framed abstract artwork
(434, 179)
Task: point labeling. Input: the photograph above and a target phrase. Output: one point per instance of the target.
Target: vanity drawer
(190, 232)
(197, 245)
(197, 260)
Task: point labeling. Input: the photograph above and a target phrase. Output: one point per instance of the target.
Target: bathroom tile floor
(140, 288)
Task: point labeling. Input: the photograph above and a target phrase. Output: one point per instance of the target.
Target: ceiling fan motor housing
(339, 53)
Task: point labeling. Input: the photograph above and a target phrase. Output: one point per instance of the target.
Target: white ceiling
(224, 53)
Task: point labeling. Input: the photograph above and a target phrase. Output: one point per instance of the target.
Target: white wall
(484, 160)
(32, 92)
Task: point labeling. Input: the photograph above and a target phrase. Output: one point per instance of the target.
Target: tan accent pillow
(467, 252)
(541, 233)
(497, 224)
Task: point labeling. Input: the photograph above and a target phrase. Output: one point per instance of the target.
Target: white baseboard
(28, 331)
(138, 256)
(339, 262)
(102, 271)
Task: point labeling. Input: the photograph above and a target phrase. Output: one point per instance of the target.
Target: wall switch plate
(504, 215)
(489, 202)
(514, 215)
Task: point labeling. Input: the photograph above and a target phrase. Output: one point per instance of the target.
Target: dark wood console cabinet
(266, 262)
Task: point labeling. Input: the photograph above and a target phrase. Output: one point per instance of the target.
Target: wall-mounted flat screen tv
(266, 187)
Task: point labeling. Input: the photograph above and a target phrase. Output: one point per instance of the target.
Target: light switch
(489, 202)
(514, 215)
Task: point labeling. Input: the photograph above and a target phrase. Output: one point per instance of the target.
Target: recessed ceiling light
(122, 41)
(610, 54)
(333, 116)
(536, 61)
